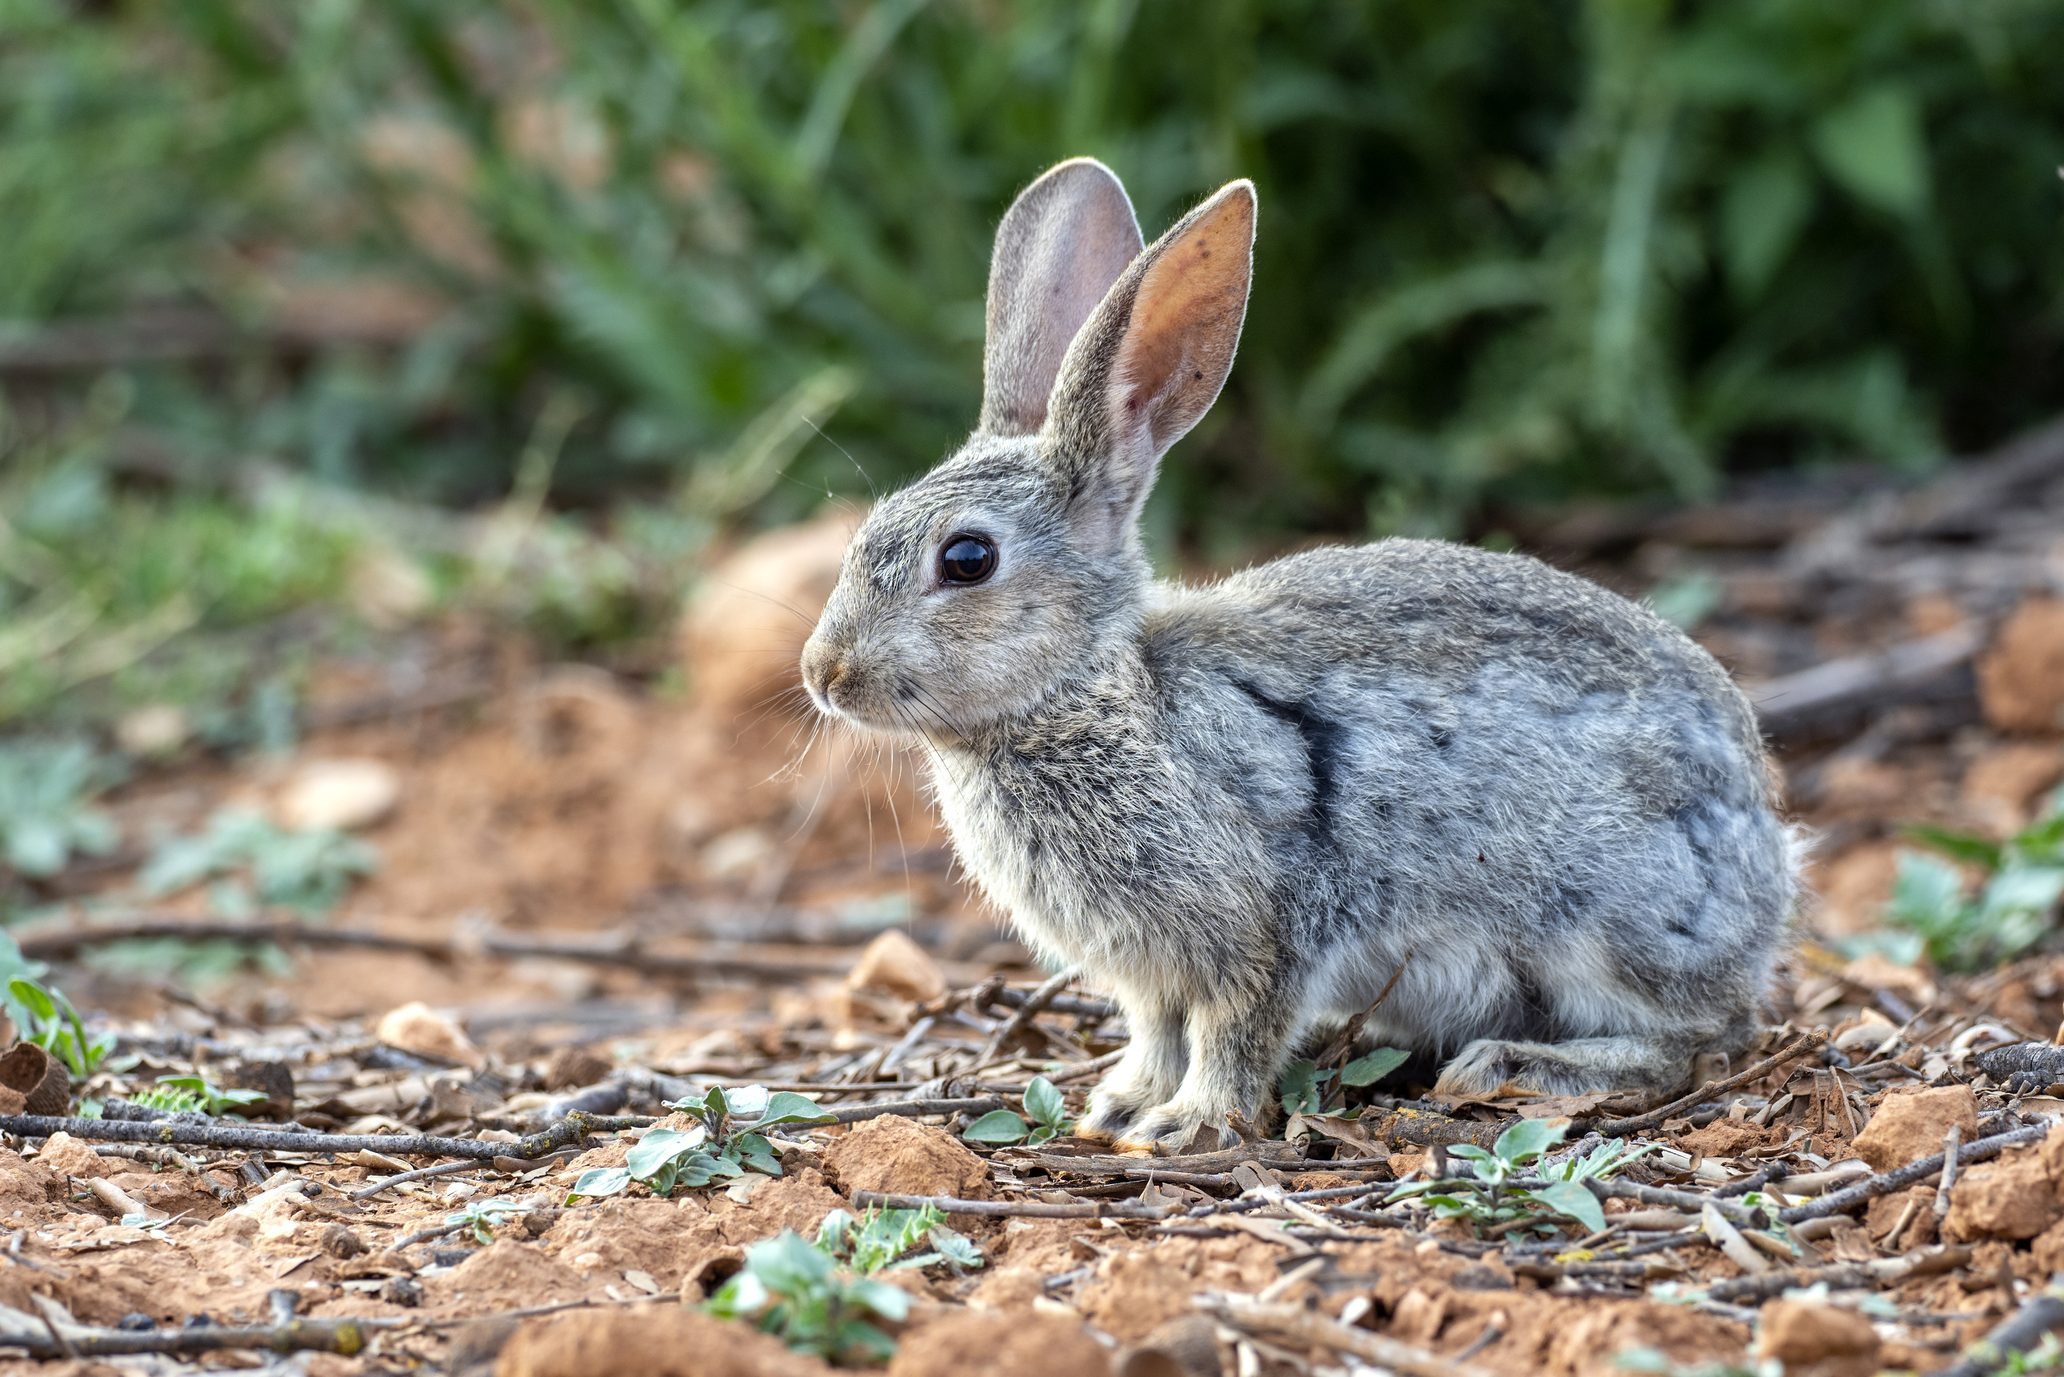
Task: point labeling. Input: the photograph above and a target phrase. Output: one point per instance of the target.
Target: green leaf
(744, 1102)
(34, 998)
(1874, 147)
(889, 1302)
(1573, 1200)
(597, 1182)
(997, 1126)
(1300, 1087)
(1927, 893)
(1528, 1139)
(1765, 207)
(1367, 1070)
(956, 1248)
(660, 1147)
(1470, 1152)
(1043, 1102)
(788, 1264)
(1961, 846)
(787, 1107)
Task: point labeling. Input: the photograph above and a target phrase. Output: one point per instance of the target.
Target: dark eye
(967, 559)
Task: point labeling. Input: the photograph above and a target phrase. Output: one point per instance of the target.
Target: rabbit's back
(1549, 798)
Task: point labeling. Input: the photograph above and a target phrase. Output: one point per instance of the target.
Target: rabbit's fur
(1535, 811)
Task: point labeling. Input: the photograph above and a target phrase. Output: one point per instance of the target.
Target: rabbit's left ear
(1149, 362)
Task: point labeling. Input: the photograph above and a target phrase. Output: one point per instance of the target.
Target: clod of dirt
(504, 1275)
(338, 795)
(418, 1028)
(1591, 1344)
(37, 1078)
(2009, 1197)
(899, 1156)
(2021, 677)
(1186, 1346)
(652, 1341)
(1134, 1293)
(743, 632)
(24, 1185)
(970, 1341)
(1817, 1340)
(893, 964)
(1910, 1124)
(573, 1068)
(2009, 781)
(67, 1156)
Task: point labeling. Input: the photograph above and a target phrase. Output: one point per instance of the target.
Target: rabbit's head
(1017, 563)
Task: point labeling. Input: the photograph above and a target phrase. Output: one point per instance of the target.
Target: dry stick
(1950, 1142)
(566, 1133)
(1318, 1331)
(1884, 1183)
(2040, 1316)
(1641, 1123)
(347, 1336)
(54, 942)
(1030, 1209)
(909, 1109)
(1026, 1012)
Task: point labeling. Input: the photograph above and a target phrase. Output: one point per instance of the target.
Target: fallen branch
(1026, 1209)
(52, 1339)
(1654, 1118)
(1026, 1012)
(57, 942)
(567, 1132)
(1319, 1331)
(2040, 1316)
(913, 1109)
(1800, 703)
(1912, 1174)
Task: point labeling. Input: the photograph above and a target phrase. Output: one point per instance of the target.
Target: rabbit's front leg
(1147, 1074)
(1236, 1047)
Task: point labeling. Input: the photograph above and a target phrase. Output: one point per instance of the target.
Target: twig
(1318, 1331)
(680, 959)
(1884, 1183)
(567, 1132)
(1029, 1209)
(1805, 701)
(2041, 1315)
(1654, 1118)
(347, 1336)
(911, 1109)
(1950, 1141)
(1026, 1012)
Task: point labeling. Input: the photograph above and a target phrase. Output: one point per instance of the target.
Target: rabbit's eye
(967, 559)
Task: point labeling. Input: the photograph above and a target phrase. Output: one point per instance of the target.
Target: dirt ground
(592, 896)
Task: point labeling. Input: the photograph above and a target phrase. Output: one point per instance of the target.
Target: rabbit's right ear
(1061, 245)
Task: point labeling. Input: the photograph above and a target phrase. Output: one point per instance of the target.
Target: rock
(1909, 1124)
(157, 729)
(895, 1155)
(338, 795)
(2021, 675)
(67, 1156)
(421, 1030)
(1817, 1340)
(896, 965)
(2007, 1198)
(1023, 1345)
(272, 1079)
(576, 1068)
(652, 1341)
(2011, 781)
(743, 632)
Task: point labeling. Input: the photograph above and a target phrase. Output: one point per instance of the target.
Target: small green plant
(195, 1093)
(1497, 1195)
(889, 1240)
(730, 1140)
(257, 865)
(2015, 905)
(43, 1015)
(482, 1217)
(47, 816)
(1305, 1085)
(1046, 1111)
(796, 1291)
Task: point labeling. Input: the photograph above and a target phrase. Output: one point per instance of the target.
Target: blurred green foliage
(1509, 250)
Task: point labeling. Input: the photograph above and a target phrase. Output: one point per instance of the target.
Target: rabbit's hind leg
(1148, 1073)
(1643, 1061)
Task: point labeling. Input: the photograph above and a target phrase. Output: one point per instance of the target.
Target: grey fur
(1247, 806)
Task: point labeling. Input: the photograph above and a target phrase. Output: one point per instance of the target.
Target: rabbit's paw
(1112, 1110)
(1177, 1128)
(1489, 1067)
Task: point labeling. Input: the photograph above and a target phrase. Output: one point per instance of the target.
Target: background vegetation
(268, 266)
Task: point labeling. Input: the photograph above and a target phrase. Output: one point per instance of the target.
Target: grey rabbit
(1533, 811)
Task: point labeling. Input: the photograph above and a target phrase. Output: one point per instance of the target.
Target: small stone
(1820, 1340)
(67, 1156)
(2008, 1198)
(419, 1029)
(896, 1155)
(2021, 675)
(155, 730)
(339, 795)
(896, 965)
(1910, 1124)
(340, 1242)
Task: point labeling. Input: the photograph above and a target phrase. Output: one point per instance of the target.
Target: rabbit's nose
(823, 670)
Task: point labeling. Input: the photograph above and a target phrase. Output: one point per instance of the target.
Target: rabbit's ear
(1149, 363)
(1061, 245)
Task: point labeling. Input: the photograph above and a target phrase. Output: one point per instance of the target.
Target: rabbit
(1531, 815)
